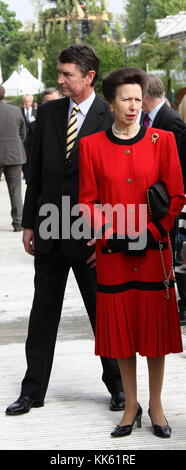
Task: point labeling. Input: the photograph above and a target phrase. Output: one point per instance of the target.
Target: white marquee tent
(21, 83)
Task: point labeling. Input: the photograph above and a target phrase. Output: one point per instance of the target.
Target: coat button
(127, 152)
(135, 270)
(129, 180)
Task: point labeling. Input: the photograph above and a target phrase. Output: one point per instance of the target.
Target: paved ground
(76, 414)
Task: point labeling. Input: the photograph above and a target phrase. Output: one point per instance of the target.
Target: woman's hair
(182, 108)
(123, 76)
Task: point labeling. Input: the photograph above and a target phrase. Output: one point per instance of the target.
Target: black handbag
(158, 200)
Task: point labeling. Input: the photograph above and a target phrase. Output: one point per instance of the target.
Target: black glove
(120, 242)
(150, 244)
(116, 244)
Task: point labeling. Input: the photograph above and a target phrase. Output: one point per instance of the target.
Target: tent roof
(22, 83)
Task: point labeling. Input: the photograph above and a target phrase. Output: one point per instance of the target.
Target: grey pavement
(76, 414)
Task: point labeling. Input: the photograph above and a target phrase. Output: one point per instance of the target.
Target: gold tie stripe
(71, 130)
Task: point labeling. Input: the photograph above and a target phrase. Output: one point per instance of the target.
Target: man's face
(72, 83)
(28, 100)
(51, 96)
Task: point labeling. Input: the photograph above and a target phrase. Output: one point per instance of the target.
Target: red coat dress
(133, 313)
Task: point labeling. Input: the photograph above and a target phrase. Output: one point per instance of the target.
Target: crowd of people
(102, 151)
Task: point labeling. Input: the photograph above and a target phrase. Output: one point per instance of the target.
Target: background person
(135, 311)
(12, 155)
(50, 94)
(162, 116)
(53, 175)
(29, 112)
(47, 95)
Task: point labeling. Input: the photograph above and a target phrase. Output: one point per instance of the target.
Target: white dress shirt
(153, 113)
(83, 109)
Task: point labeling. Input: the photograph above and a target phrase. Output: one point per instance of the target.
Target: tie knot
(146, 120)
(75, 109)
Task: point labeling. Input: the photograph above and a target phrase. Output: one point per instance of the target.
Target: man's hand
(28, 241)
(92, 259)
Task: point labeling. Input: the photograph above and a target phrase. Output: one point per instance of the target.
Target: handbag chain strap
(148, 203)
(166, 276)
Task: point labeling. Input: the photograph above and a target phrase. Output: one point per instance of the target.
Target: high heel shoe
(120, 431)
(161, 431)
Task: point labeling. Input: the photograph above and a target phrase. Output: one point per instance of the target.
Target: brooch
(154, 137)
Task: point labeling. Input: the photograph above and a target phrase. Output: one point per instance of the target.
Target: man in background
(12, 155)
(161, 116)
(29, 112)
(49, 94)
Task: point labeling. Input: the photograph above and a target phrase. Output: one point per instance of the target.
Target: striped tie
(71, 130)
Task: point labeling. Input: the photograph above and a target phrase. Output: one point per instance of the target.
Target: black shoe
(117, 402)
(23, 405)
(161, 431)
(17, 228)
(121, 431)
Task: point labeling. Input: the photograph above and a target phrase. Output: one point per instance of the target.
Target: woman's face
(127, 104)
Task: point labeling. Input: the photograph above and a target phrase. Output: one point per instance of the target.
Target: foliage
(9, 26)
(57, 40)
(156, 54)
(111, 57)
(24, 49)
(141, 14)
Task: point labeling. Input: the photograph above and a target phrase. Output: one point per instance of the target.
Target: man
(28, 110)
(161, 116)
(29, 113)
(158, 112)
(53, 174)
(12, 155)
(49, 94)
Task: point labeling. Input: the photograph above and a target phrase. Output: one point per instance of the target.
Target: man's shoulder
(100, 103)
(53, 104)
(167, 110)
(10, 108)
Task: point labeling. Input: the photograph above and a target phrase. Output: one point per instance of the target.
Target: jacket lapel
(60, 119)
(158, 118)
(92, 121)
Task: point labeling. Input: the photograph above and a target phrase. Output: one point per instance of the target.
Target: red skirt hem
(137, 321)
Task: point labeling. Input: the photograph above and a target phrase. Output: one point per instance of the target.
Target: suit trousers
(51, 274)
(13, 179)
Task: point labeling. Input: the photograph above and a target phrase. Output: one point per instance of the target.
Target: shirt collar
(155, 110)
(85, 105)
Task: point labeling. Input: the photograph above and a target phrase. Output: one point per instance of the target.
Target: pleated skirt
(135, 320)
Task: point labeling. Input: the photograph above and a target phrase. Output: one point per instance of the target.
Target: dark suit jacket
(51, 175)
(169, 120)
(34, 114)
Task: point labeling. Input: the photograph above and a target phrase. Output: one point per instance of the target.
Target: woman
(135, 311)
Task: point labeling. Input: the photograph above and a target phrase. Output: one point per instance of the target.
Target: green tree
(57, 40)
(9, 26)
(24, 48)
(111, 57)
(155, 54)
(141, 14)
